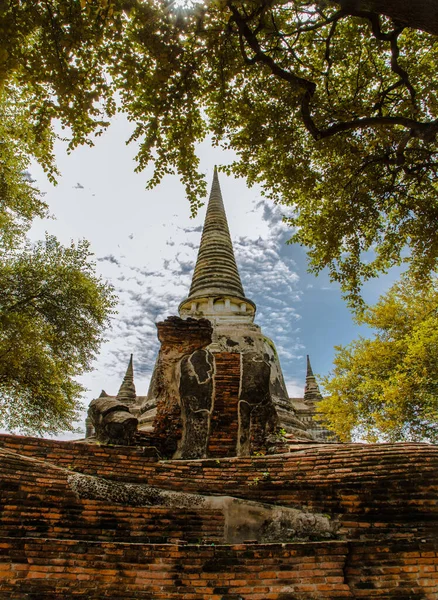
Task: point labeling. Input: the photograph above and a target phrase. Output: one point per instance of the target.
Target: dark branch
(418, 14)
(397, 68)
(260, 56)
(417, 129)
(333, 19)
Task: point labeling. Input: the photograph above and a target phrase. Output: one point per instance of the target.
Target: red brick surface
(375, 489)
(224, 422)
(54, 569)
(55, 546)
(37, 501)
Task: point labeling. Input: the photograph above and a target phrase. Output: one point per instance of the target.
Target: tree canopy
(53, 311)
(386, 387)
(330, 106)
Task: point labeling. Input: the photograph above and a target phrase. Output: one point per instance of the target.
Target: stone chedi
(218, 383)
(217, 388)
(110, 418)
(306, 408)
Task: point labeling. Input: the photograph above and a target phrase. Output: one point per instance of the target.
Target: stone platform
(113, 522)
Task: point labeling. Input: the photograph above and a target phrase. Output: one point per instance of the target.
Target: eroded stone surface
(196, 397)
(244, 519)
(257, 416)
(179, 339)
(112, 422)
(219, 391)
(96, 488)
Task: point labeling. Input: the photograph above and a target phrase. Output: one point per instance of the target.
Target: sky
(145, 244)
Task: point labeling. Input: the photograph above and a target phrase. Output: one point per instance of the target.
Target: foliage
(53, 309)
(20, 202)
(332, 109)
(50, 60)
(386, 387)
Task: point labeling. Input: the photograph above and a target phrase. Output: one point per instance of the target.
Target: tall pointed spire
(216, 275)
(216, 270)
(127, 391)
(309, 368)
(311, 390)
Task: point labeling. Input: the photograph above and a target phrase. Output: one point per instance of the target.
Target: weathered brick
(376, 489)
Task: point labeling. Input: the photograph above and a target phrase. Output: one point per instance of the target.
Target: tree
(53, 307)
(386, 387)
(330, 106)
(53, 310)
(418, 14)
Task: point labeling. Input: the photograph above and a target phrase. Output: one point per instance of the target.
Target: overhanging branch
(416, 129)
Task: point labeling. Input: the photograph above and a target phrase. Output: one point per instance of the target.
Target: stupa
(306, 408)
(217, 388)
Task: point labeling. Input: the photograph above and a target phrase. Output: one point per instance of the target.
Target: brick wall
(51, 569)
(36, 500)
(378, 489)
(398, 569)
(114, 462)
(54, 546)
(224, 422)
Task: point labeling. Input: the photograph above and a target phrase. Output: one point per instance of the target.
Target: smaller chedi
(306, 408)
(217, 388)
(110, 418)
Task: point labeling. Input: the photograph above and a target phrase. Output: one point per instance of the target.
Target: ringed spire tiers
(311, 390)
(309, 372)
(127, 391)
(216, 290)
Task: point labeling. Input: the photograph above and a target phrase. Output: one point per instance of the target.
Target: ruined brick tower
(217, 387)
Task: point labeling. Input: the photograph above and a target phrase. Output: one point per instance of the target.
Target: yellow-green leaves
(53, 308)
(333, 114)
(386, 387)
(53, 311)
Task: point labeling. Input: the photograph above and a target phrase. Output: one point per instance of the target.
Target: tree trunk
(417, 14)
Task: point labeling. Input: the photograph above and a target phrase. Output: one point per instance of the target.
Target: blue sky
(145, 244)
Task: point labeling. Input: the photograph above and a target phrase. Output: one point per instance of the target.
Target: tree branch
(417, 14)
(260, 56)
(417, 129)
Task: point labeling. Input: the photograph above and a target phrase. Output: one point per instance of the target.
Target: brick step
(38, 500)
(110, 522)
(53, 569)
(379, 486)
